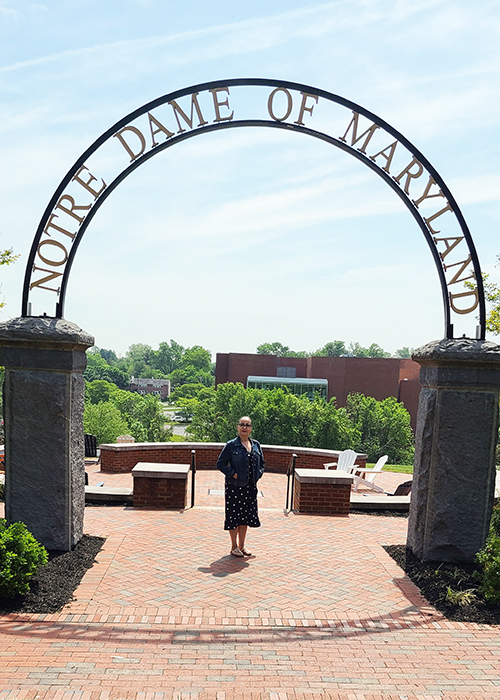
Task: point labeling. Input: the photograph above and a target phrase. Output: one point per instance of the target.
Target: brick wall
(160, 493)
(123, 458)
(333, 499)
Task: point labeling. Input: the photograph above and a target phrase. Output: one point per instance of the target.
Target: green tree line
(170, 361)
(335, 348)
(281, 418)
(110, 412)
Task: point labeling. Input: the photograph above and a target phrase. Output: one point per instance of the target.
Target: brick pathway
(319, 611)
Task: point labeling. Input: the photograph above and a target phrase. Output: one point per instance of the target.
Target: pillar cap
(458, 350)
(44, 332)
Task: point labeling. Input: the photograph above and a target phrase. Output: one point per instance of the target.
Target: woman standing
(242, 462)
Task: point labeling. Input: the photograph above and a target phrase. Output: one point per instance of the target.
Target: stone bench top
(153, 470)
(107, 494)
(380, 502)
(323, 476)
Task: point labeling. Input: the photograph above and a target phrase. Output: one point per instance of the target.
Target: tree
(191, 391)
(98, 368)
(383, 428)
(281, 418)
(279, 350)
(140, 416)
(335, 348)
(168, 356)
(7, 257)
(273, 349)
(197, 357)
(105, 421)
(99, 391)
(404, 353)
(278, 417)
(357, 350)
(492, 296)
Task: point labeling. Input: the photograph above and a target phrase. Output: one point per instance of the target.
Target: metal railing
(193, 476)
(290, 481)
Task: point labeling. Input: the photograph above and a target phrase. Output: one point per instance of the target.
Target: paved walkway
(319, 611)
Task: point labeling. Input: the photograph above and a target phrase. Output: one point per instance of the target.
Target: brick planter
(322, 492)
(160, 485)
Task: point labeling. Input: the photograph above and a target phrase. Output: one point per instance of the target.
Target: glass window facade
(298, 385)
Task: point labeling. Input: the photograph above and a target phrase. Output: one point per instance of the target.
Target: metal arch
(260, 123)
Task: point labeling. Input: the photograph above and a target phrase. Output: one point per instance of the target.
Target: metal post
(290, 472)
(193, 475)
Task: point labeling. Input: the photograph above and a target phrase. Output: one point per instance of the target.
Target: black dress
(241, 502)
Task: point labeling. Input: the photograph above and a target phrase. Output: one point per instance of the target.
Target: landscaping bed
(53, 587)
(434, 579)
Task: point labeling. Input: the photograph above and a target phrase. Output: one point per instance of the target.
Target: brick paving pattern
(318, 611)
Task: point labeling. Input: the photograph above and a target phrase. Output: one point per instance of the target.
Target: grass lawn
(400, 468)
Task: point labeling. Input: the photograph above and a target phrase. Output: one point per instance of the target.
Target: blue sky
(245, 236)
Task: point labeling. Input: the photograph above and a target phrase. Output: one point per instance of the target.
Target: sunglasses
(245, 425)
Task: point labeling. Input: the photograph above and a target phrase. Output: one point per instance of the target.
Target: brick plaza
(318, 611)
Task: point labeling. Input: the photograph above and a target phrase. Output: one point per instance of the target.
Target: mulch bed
(433, 580)
(53, 587)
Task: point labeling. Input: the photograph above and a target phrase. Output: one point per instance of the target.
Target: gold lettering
(435, 216)
(426, 194)
(388, 156)
(303, 107)
(194, 106)
(218, 104)
(50, 276)
(57, 244)
(270, 105)
(409, 174)
(456, 279)
(473, 292)
(87, 186)
(355, 138)
(58, 228)
(159, 127)
(125, 145)
(449, 248)
(71, 210)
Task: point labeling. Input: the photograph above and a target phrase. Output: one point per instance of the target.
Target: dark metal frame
(193, 477)
(261, 123)
(290, 480)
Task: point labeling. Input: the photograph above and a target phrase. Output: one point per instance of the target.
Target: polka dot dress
(241, 502)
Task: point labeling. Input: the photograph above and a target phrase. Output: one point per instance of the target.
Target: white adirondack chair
(368, 476)
(346, 462)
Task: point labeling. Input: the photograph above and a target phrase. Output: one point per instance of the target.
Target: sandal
(236, 552)
(245, 552)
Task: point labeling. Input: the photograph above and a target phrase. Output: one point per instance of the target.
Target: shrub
(495, 521)
(489, 558)
(20, 558)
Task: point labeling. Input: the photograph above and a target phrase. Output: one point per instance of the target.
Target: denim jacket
(234, 460)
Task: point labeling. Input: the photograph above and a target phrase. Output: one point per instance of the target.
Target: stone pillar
(43, 407)
(457, 430)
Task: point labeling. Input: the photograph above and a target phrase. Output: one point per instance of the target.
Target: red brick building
(372, 376)
(158, 387)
